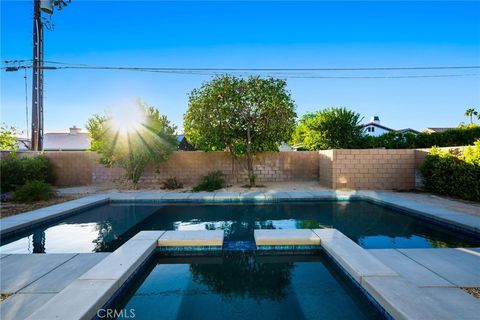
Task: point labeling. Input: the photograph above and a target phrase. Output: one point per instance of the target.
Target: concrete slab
(277, 195)
(403, 300)
(252, 196)
(19, 270)
(458, 266)
(441, 209)
(121, 263)
(80, 300)
(148, 235)
(21, 305)
(56, 280)
(225, 196)
(409, 269)
(301, 195)
(3, 255)
(355, 260)
(175, 196)
(285, 237)
(202, 196)
(328, 233)
(28, 218)
(459, 304)
(191, 238)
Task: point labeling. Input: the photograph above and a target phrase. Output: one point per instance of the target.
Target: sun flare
(128, 119)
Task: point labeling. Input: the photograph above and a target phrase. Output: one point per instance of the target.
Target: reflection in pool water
(245, 286)
(106, 227)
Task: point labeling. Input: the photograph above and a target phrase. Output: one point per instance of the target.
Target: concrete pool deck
(404, 283)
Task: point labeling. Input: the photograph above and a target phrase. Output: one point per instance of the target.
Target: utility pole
(37, 68)
(36, 143)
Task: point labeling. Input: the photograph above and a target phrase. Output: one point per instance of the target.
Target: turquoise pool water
(105, 228)
(245, 286)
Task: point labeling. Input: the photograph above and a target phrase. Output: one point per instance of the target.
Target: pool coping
(97, 288)
(454, 220)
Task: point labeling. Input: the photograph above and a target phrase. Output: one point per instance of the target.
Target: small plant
(211, 182)
(172, 184)
(34, 191)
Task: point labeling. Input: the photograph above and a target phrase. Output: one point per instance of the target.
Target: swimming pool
(104, 228)
(244, 286)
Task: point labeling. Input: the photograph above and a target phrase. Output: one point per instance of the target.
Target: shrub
(171, 184)
(34, 191)
(211, 182)
(17, 171)
(461, 136)
(456, 175)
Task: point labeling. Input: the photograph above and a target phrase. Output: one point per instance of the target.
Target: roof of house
(407, 130)
(436, 129)
(66, 141)
(377, 125)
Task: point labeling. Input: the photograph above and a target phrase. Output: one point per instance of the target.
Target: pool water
(244, 286)
(106, 227)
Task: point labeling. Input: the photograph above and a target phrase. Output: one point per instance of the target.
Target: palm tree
(470, 112)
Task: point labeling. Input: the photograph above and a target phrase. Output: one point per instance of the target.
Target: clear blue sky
(248, 35)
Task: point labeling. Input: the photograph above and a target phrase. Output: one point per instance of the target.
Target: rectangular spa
(105, 227)
(244, 286)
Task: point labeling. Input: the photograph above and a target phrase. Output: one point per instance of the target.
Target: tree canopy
(144, 136)
(8, 140)
(242, 116)
(331, 128)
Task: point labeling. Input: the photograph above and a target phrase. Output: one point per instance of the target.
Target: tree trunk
(251, 174)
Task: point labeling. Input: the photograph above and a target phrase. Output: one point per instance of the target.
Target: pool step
(239, 245)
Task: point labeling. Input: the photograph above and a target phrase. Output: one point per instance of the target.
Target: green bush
(453, 174)
(34, 191)
(16, 171)
(171, 184)
(461, 136)
(211, 182)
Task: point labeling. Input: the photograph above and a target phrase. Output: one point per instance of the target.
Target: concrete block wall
(368, 169)
(190, 167)
(386, 169)
(325, 167)
(74, 168)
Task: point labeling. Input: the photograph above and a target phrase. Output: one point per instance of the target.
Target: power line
(67, 65)
(295, 73)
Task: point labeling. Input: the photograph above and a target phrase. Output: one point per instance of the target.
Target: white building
(73, 140)
(374, 128)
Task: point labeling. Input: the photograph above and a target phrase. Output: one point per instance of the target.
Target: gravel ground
(473, 291)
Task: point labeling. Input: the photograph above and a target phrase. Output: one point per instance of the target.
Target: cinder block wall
(325, 167)
(368, 169)
(73, 168)
(385, 169)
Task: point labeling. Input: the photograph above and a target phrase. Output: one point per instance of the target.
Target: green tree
(331, 128)
(242, 116)
(8, 140)
(470, 112)
(133, 139)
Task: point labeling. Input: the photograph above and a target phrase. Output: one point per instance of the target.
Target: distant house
(74, 140)
(183, 144)
(375, 129)
(432, 130)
